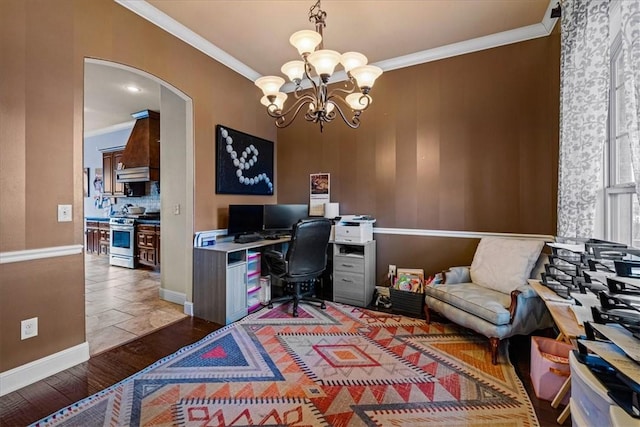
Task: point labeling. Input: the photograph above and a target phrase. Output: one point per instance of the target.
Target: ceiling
(252, 37)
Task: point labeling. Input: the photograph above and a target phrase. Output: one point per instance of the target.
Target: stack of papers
(581, 313)
(577, 248)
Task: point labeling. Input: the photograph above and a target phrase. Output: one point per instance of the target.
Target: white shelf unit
(253, 280)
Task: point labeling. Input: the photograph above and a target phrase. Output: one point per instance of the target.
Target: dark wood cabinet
(93, 237)
(148, 245)
(98, 237)
(105, 238)
(110, 162)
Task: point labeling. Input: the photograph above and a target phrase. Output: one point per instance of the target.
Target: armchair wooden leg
(427, 314)
(494, 344)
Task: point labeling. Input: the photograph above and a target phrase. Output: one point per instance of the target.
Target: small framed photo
(85, 183)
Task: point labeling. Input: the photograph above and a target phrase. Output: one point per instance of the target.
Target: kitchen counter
(138, 220)
(148, 221)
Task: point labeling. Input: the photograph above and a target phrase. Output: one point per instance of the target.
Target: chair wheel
(295, 313)
(270, 305)
(323, 306)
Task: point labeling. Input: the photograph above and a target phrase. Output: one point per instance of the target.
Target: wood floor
(38, 400)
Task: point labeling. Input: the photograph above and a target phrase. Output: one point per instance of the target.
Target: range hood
(141, 156)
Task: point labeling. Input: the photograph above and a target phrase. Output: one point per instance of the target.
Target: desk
(569, 329)
(220, 276)
(220, 279)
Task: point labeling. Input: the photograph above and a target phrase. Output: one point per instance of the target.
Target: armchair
(304, 262)
(492, 297)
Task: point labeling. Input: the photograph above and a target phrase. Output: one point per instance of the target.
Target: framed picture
(85, 183)
(97, 181)
(244, 163)
(319, 193)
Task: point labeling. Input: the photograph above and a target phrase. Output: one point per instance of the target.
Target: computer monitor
(244, 219)
(279, 218)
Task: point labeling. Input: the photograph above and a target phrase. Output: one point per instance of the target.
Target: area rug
(342, 366)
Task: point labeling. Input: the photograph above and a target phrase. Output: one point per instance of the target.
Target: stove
(122, 242)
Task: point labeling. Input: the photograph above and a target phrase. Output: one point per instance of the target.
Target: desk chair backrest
(307, 253)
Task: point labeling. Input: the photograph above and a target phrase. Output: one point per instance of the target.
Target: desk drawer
(348, 285)
(348, 264)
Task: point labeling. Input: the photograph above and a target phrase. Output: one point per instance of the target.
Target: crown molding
(173, 27)
(517, 35)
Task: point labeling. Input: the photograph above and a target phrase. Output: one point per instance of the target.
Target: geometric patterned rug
(343, 366)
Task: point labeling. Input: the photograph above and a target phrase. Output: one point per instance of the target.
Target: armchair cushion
(488, 304)
(504, 264)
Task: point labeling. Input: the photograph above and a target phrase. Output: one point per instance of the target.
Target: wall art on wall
(85, 183)
(97, 181)
(319, 193)
(244, 163)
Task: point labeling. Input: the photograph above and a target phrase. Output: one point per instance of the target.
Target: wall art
(244, 163)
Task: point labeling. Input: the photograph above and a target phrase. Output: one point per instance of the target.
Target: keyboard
(247, 238)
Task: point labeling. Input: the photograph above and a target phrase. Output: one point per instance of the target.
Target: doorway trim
(184, 261)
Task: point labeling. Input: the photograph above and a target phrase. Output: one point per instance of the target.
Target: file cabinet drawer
(348, 285)
(348, 264)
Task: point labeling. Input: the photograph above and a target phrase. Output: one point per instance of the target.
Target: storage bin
(406, 302)
(549, 367)
(590, 398)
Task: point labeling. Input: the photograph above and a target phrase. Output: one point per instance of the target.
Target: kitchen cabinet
(98, 237)
(104, 238)
(110, 161)
(93, 237)
(148, 245)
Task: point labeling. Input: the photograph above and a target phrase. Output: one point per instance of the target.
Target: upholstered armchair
(492, 297)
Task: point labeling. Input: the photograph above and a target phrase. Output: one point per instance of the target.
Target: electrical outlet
(176, 209)
(64, 213)
(392, 270)
(29, 328)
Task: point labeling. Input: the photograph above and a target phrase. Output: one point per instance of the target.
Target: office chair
(304, 262)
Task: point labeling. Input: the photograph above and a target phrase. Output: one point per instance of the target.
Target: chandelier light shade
(317, 66)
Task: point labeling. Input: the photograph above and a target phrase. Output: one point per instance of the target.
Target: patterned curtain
(584, 97)
(630, 23)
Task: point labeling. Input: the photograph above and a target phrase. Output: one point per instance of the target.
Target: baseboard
(188, 308)
(174, 297)
(37, 370)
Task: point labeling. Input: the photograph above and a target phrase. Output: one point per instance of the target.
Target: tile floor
(122, 304)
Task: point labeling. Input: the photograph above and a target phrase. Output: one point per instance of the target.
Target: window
(622, 207)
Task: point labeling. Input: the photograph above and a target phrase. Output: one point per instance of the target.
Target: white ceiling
(252, 37)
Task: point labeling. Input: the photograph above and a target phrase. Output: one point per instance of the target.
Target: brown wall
(43, 44)
(468, 143)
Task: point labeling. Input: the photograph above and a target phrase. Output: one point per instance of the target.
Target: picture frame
(244, 163)
(85, 183)
(97, 181)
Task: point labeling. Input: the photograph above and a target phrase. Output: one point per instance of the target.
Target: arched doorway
(176, 171)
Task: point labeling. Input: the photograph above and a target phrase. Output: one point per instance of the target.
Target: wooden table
(570, 331)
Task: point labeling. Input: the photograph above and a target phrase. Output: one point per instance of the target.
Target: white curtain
(630, 32)
(584, 92)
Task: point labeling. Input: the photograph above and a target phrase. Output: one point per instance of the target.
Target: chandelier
(322, 105)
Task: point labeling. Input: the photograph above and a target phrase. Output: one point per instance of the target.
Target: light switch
(176, 209)
(64, 213)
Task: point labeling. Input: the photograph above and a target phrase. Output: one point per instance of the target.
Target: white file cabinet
(354, 269)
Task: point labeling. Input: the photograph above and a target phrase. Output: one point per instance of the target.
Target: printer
(354, 229)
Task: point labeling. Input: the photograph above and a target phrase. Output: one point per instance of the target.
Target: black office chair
(305, 261)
